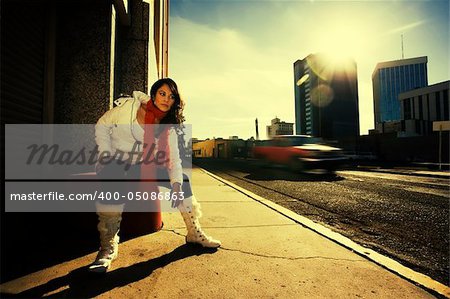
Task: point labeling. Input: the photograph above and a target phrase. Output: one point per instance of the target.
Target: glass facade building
(392, 78)
(326, 98)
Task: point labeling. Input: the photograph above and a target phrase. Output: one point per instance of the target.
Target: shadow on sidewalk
(35, 241)
(83, 284)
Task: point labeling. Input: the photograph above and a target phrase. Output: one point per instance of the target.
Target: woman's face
(164, 98)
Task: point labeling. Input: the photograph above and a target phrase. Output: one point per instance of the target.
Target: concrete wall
(82, 61)
(83, 45)
(390, 148)
(132, 59)
(77, 39)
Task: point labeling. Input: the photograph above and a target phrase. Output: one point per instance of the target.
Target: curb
(393, 266)
(408, 172)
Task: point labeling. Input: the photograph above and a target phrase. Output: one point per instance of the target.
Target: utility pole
(257, 131)
(403, 55)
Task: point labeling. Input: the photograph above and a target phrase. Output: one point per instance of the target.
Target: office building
(391, 78)
(423, 106)
(278, 127)
(326, 97)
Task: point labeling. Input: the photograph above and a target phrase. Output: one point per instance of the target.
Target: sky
(233, 60)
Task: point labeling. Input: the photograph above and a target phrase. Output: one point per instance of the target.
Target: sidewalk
(417, 171)
(264, 254)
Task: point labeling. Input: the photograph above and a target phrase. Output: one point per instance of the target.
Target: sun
(326, 66)
(342, 40)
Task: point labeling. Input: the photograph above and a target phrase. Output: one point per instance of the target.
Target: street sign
(441, 125)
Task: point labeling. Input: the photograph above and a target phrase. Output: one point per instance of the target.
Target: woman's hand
(98, 167)
(176, 196)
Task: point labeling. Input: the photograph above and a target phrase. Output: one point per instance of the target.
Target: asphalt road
(405, 217)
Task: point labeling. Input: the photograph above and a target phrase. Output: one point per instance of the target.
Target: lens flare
(325, 65)
(322, 95)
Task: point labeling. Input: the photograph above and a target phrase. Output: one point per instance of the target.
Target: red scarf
(151, 221)
(152, 116)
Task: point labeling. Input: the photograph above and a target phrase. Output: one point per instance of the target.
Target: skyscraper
(391, 78)
(326, 97)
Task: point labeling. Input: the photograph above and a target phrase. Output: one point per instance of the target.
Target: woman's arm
(103, 131)
(174, 167)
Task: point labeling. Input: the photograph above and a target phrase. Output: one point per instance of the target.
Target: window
(423, 74)
(438, 105)
(402, 78)
(421, 77)
(416, 76)
(397, 78)
(388, 95)
(407, 108)
(420, 107)
(446, 115)
(411, 76)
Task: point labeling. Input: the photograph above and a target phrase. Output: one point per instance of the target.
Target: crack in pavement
(244, 226)
(275, 256)
(290, 258)
(173, 231)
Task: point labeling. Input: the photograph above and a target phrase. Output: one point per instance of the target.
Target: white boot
(190, 211)
(109, 217)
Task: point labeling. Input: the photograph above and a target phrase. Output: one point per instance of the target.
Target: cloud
(234, 61)
(222, 75)
(407, 27)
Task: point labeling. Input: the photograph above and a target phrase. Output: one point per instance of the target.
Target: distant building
(326, 98)
(423, 106)
(278, 127)
(195, 140)
(389, 79)
(220, 148)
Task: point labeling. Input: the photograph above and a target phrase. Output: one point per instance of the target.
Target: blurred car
(300, 152)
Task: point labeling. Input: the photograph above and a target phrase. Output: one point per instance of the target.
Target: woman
(164, 106)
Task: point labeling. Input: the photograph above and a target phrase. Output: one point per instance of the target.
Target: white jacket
(118, 129)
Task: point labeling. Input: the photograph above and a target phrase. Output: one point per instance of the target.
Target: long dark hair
(175, 114)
